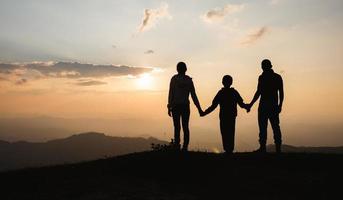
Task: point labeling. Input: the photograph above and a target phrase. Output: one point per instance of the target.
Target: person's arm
(281, 94)
(170, 97)
(240, 101)
(214, 105)
(195, 97)
(257, 94)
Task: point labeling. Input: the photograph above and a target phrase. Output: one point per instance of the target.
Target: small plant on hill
(165, 147)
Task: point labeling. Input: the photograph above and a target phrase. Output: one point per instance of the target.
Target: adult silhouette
(181, 86)
(227, 98)
(270, 89)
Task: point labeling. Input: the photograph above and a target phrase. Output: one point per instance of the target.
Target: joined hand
(248, 107)
(280, 108)
(201, 112)
(169, 112)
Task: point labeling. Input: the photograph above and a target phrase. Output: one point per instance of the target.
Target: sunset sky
(113, 60)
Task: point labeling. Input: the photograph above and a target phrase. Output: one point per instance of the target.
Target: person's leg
(177, 126)
(185, 113)
(275, 123)
(263, 125)
(224, 132)
(231, 134)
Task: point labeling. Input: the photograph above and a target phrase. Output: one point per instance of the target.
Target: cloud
(70, 70)
(16, 72)
(89, 82)
(3, 78)
(152, 16)
(274, 2)
(254, 36)
(149, 52)
(218, 14)
(21, 81)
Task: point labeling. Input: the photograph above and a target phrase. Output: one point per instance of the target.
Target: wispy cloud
(149, 51)
(218, 14)
(152, 16)
(22, 73)
(89, 82)
(254, 36)
(274, 2)
(21, 81)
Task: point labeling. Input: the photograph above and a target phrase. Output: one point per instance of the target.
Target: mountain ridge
(75, 148)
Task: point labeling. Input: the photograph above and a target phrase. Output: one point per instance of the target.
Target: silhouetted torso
(228, 98)
(180, 86)
(269, 83)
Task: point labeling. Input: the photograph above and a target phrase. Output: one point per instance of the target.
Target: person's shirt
(180, 87)
(228, 98)
(269, 83)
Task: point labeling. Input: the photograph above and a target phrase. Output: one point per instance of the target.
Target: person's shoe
(278, 149)
(228, 153)
(176, 147)
(262, 149)
(184, 149)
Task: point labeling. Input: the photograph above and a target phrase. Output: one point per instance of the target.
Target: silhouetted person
(227, 98)
(180, 87)
(270, 89)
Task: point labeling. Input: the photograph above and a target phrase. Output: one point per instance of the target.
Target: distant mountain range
(76, 148)
(301, 149)
(44, 128)
(92, 146)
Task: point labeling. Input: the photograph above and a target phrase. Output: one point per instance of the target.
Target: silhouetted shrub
(165, 147)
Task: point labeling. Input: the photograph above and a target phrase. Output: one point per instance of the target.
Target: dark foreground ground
(196, 175)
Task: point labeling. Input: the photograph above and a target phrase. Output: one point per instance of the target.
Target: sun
(145, 81)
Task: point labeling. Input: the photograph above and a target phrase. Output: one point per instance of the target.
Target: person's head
(227, 81)
(181, 68)
(266, 64)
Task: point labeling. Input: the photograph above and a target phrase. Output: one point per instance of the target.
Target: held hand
(169, 112)
(247, 107)
(202, 114)
(280, 108)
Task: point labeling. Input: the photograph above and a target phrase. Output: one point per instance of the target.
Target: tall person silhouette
(270, 89)
(180, 87)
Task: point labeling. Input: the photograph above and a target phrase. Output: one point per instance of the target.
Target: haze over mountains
(43, 128)
(92, 146)
(76, 148)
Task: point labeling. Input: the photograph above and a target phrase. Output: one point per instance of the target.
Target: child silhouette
(227, 98)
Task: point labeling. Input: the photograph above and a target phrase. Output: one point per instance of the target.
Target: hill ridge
(76, 148)
(171, 175)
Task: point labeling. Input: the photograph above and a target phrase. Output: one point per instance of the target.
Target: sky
(105, 59)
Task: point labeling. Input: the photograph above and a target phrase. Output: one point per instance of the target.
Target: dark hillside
(169, 175)
(302, 149)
